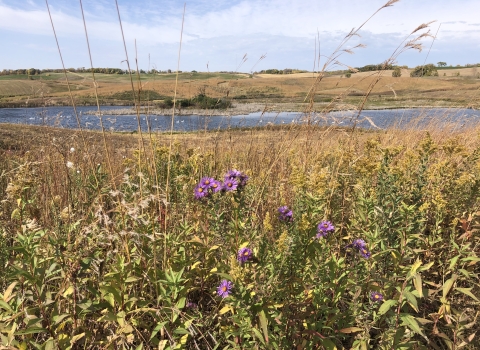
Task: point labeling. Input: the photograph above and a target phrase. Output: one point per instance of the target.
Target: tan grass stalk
(171, 139)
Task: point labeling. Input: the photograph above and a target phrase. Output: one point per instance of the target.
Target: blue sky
(219, 33)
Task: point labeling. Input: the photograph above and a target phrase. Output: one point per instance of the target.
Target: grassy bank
(109, 247)
(447, 90)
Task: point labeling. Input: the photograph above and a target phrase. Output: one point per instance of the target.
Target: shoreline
(245, 109)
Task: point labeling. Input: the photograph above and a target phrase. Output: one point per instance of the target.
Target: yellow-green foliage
(121, 254)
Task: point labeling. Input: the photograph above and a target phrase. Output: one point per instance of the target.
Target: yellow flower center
(230, 184)
(200, 189)
(214, 185)
(224, 289)
(325, 225)
(376, 296)
(207, 182)
(246, 253)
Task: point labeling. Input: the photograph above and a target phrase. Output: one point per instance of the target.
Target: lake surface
(64, 117)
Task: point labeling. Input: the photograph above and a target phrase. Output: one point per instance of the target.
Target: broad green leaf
(453, 262)
(328, 344)
(426, 267)
(415, 267)
(386, 306)
(264, 324)
(225, 309)
(32, 330)
(157, 329)
(351, 330)
(410, 322)
(76, 338)
(417, 282)
(259, 335)
(68, 291)
(467, 291)
(8, 291)
(447, 286)
(5, 306)
(181, 303)
(132, 279)
(411, 299)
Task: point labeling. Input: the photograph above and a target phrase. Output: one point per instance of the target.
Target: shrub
(397, 72)
(427, 70)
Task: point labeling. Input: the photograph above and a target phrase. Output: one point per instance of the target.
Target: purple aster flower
(230, 185)
(376, 296)
(364, 252)
(207, 182)
(233, 174)
(224, 288)
(243, 179)
(238, 176)
(285, 214)
(216, 186)
(244, 254)
(359, 244)
(200, 191)
(192, 305)
(324, 228)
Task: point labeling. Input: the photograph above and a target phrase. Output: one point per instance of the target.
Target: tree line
(35, 71)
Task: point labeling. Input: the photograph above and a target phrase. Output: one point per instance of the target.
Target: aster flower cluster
(361, 246)
(324, 228)
(285, 214)
(233, 180)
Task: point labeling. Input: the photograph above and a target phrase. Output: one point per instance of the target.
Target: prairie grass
(106, 241)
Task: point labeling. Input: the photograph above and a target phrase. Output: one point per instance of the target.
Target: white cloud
(226, 29)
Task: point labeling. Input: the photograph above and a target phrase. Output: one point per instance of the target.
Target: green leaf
(328, 344)
(410, 322)
(132, 279)
(264, 324)
(351, 330)
(31, 330)
(453, 262)
(76, 338)
(181, 303)
(467, 291)
(417, 282)
(447, 286)
(5, 306)
(259, 335)
(157, 329)
(386, 306)
(411, 299)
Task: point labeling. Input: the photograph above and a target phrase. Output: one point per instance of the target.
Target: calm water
(64, 117)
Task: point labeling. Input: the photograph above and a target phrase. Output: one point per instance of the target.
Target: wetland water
(64, 117)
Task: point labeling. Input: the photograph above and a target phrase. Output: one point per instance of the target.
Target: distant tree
(428, 70)
(442, 64)
(397, 72)
(348, 75)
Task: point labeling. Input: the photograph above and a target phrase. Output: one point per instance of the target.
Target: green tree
(441, 64)
(428, 70)
(397, 72)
